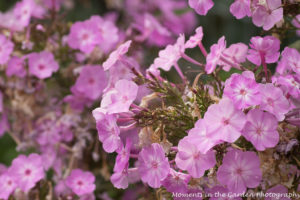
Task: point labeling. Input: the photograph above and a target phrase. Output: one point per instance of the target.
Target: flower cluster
(87, 116)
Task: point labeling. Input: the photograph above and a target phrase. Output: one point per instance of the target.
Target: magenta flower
(7, 186)
(289, 61)
(201, 6)
(289, 85)
(84, 36)
(81, 182)
(267, 13)
(279, 190)
(240, 170)
(108, 130)
(117, 55)
(27, 171)
(15, 67)
(42, 64)
(240, 8)
(190, 158)
(261, 129)
(225, 121)
(176, 182)
(264, 49)
(23, 11)
(91, 81)
(195, 39)
(122, 158)
(153, 165)
(242, 90)
(274, 101)
(120, 98)
(121, 179)
(213, 58)
(200, 135)
(6, 48)
(170, 55)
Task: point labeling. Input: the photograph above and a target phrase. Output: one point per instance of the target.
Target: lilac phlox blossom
(267, 13)
(7, 186)
(278, 192)
(240, 170)
(195, 40)
(108, 130)
(176, 181)
(233, 56)
(243, 90)
(119, 98)
(117, 55)
(289, 61)
(91, 81)
(122, 158)
(190, 158)
(153, 165)
(201, 6)
(274, 101)
(201, 135)
(27, 171)
(261, 129)
(15, 67)
(6, 48)
(84, 36)
(289, 84)
(121, 179)
(264, 49)
(240, 8)
(81, 182)
(42, 64)
(169, 56)
(214, 57)
(225, 121)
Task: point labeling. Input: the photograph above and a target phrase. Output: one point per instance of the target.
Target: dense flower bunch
(214, 134)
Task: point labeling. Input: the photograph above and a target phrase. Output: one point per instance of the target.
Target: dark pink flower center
(196, 156)
(243, 92)
(259, 130)
(80, 183)
(91, 81)
(124, 99)
(41, 67)
(9, 182)
(27, 172)
(226, 121)
(270, 101)
(239, 171)
(85, 36)
(154, 165)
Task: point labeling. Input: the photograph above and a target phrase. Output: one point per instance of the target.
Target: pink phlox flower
(7, 186)
(122, 158)
(81, 182)
(190, 158)
(201, 6)
(213, 58)
(225, 121)
(201, 135)
(121, 179)
(240, 8)
(15, 67)
(176, 182)
(6, 48)
(170, 55)
(42, 64)
(274, 101)
(108, 130)
(261, 129)
(236, 54)
(194, 40)
(289, 61)
(27, 171)
(153, 165)
(116, 55)
(84, 36)
(91, 81)
(240, 170)
(267, 13)
(120, 98)
(289, 84)
(263, 48)
(278, 192)
(243, 91)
